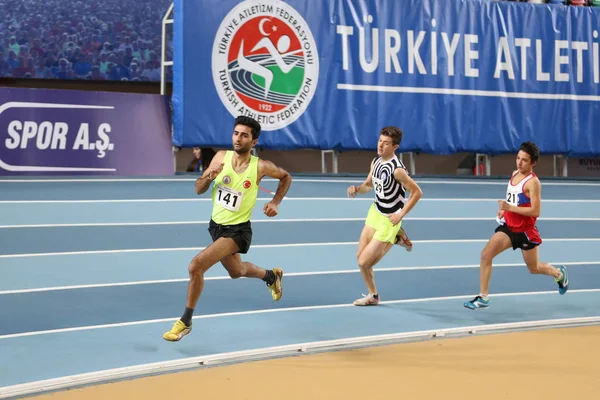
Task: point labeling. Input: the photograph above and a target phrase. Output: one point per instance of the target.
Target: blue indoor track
(94, 271)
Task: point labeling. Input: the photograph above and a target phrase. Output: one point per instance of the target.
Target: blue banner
(456, 75)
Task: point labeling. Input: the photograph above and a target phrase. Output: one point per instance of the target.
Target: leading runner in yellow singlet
(236, 175)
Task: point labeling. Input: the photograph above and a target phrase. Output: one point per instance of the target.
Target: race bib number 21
(512, 198)
(229, 199)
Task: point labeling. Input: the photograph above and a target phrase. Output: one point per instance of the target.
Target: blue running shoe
(563, 283)
(477, 302)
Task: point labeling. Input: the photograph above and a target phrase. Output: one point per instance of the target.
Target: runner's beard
(242, 150)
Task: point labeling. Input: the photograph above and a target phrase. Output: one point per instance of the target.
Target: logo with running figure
(265, 63)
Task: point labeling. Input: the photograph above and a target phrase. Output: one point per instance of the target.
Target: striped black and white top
(389, 194)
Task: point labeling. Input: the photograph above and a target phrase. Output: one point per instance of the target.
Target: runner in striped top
(383, 226)
(389, 193)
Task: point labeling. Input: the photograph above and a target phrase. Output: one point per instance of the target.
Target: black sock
(187, 316)
(376, 296)
(269, 277)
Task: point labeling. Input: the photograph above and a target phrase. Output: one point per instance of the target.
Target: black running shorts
(521, 240)
(240, 233)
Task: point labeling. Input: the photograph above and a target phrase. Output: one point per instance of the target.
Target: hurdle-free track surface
(93, 271)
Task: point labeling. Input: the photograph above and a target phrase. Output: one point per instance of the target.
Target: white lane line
(207, 200)
(258, 246)
(483, 181)
(274, 310)
(312, 273)
(275, 220)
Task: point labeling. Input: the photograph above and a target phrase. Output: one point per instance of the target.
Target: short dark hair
(531, 149)
(250, 123)
(392, 132)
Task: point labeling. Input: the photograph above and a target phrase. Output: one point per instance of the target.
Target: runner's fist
(270, 209)
(503, 205)
(214, 171)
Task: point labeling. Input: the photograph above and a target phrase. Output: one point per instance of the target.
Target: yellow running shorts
(384, 230)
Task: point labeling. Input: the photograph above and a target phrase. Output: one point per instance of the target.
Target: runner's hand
(270, 209)
(504, 206)
(395, 219)
(214, 171)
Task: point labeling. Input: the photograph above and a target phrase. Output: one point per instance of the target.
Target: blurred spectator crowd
(81, 39)
(116, 40)
(580, 3)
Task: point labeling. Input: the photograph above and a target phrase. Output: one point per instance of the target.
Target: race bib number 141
(229, 199)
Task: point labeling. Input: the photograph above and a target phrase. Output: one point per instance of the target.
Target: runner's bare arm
(416, 193)
(216, 165)
(268, 168)
(364, 187)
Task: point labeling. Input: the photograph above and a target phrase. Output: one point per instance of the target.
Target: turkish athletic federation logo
(265, 63)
